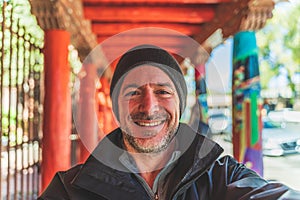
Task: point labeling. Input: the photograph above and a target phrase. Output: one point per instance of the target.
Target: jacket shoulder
(58, 187)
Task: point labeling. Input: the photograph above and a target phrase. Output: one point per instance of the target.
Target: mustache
(145, 116)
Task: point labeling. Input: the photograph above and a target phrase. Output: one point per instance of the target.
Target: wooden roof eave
(66, 15)
(71, 15)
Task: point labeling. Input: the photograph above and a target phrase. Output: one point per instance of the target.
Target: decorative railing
(21, 92)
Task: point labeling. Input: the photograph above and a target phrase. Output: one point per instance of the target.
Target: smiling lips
(150, 123)
(144, 120)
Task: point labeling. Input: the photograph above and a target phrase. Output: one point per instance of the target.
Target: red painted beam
(159, 1)
(153, 14)
(114, 52)
(116, 46)
(135, 39)
(108, 29)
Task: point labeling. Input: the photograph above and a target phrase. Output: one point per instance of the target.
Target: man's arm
(243, 183)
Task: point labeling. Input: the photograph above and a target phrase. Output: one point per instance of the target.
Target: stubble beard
(154, 148)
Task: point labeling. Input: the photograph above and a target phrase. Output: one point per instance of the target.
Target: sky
(219, 69)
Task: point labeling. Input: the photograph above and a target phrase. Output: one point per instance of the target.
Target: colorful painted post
(246, 102)
(56, 144)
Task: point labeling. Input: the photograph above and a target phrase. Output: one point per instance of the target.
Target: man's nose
(149, 102)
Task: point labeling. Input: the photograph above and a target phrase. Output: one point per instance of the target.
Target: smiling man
(152, 155)
(149, 114)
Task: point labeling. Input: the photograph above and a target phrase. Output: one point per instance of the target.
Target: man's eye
(131, 93)
(163, 92)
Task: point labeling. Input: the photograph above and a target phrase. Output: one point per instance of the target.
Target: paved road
(285, 169)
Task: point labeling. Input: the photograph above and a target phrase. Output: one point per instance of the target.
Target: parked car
(279, 137)
(284, 115)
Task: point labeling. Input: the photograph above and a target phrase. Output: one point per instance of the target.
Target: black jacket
(198, 175)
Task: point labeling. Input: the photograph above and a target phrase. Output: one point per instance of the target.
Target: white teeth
(149, 124)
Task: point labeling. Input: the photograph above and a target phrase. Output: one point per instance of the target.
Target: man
(152, 155)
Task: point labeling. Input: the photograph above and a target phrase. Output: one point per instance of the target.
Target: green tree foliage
(279, 43)
(21, 10)
(292, 38)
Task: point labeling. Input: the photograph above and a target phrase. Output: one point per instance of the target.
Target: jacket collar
(200, 155)
(104, 174)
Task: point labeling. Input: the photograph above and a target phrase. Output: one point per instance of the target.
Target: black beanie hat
(154, 56)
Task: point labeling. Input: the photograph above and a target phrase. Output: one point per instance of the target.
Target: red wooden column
(57, 106)
(86, 125)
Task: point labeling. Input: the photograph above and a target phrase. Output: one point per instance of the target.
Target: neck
(150, 164)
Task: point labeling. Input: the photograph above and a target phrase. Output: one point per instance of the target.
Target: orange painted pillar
(56, 145)
(87, 118)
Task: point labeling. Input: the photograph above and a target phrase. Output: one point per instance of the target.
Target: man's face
(148, 109)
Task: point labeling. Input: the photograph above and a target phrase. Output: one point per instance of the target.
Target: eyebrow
(165, 85)
(133, 85)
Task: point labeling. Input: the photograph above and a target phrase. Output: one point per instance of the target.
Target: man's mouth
(149, 124)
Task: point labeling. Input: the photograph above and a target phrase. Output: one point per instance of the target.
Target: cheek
(132, 105)
(126, 107)
(123, 108)
(172, 106)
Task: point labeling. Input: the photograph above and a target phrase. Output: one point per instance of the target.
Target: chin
(149, 145)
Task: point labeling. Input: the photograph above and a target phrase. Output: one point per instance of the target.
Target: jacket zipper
(156, 196)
